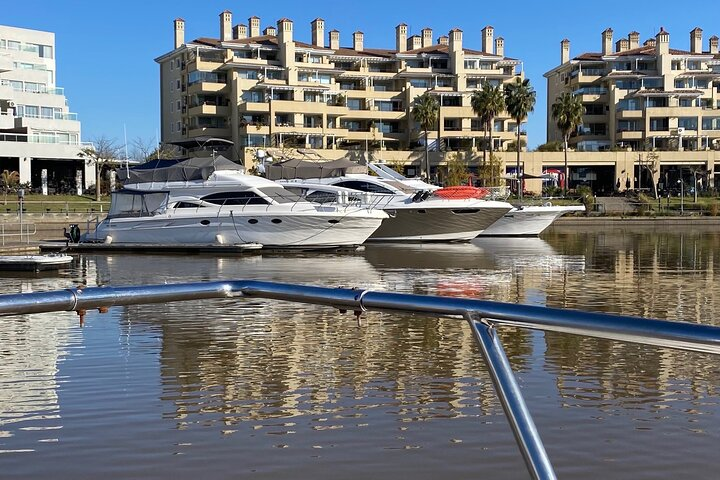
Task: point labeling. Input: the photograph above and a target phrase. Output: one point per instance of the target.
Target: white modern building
(39, 136)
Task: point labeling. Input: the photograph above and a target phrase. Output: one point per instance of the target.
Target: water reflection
(307, 380)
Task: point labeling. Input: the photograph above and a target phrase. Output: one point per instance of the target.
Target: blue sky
(105, 48)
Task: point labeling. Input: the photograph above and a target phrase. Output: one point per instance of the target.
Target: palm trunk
(492, 167)
(519, 177)
(565, 171)
(427, 158)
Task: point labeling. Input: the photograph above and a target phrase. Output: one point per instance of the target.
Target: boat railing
(22, 231)
(91, 226)
(484, 318)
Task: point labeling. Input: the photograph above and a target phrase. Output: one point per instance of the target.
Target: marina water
(254, 388)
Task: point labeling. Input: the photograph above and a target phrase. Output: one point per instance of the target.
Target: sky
(105, 49)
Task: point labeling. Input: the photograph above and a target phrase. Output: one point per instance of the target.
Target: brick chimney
(487, 39)
(426, 37)
(179, 32)
(565, 51)
(358, 40)
(622, 45)
(662, 42)
(317, 27)
(285, 30)
(696, 40)
(272, 31)
(240, 31)
(713, 45)
(607, 36)
(226, 25)
(633, 40)
(334, 39)
(401, 38)
(414, 42)
(456, 38)
(443, 40)
(500, 47)
(254, 23)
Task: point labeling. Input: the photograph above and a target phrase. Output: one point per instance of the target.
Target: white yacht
(417, 211)
(529, 220)
(202, 201)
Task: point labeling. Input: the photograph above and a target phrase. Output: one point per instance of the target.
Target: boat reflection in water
(252, 387)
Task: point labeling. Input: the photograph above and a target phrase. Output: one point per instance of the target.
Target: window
(451, 101)
(178, 126)
(177, 63)
(420, 83)
(711, 123)
(172, 65)
(172, 107)
(659, 124)
(354, 104)
(47, 112)
(178, 105)
(364, 186)
(594, 108)
(657, 102)
(253, 96)
(688, 123)
(235, 198)
(274, 74)
(248, 74)
(177, 84)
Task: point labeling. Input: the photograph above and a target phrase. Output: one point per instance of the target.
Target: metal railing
(11, 230)
(482, 316)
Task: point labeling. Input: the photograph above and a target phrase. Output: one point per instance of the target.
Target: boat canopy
(133, 203)
(304, 169)
(182, 169)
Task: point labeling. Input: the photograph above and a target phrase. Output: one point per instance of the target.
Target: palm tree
(487, 103)
(519, 101)
(426, 111)
(567, 112)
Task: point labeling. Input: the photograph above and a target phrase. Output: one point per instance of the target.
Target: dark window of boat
(466, 210)
(276, 220)
(187, 205)
(422, 210)
(235, 198)
(333, 221)
(321, 197)
(363, 186)
(253, 221)
(280, 194)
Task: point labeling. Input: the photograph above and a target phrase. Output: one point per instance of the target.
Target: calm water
(261, 389)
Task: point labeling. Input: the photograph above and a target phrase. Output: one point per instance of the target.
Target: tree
(426, 112)
(519, 102)
(143, 150)
(10, 181)
(458, 173)
(567, 112)
(650, 163)
(487, 103)
(103, 152)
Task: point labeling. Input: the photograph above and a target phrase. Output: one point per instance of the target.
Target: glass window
(248, 74)
(235, 198)
(354, 104)
(420, 82)
(364, 186)
(688, 123)
(47, 112)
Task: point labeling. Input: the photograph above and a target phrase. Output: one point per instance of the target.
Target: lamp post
(682, 196)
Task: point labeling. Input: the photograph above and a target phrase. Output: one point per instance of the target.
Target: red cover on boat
(461, 192)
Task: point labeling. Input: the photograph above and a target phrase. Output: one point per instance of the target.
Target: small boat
(34, 263)
(528, 220)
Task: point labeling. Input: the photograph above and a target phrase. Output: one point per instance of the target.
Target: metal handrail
(483, 316)
(23, 231)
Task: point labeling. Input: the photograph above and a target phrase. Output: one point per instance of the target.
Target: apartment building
(39, 136)
(267, 89)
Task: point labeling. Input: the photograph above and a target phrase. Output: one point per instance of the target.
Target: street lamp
(682, 196)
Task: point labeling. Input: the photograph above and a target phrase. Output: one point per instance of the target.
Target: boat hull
(528, 221)
(436, 224)
(281, 230)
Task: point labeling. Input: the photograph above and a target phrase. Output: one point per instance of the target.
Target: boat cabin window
(364, 186)
(188, 205)
(235, 198)
(280, 194)
(321, 197)
(128, 203)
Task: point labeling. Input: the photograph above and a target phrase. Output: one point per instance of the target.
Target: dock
(34, 263)
(174, 248)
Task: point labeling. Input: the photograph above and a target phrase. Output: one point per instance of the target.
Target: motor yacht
(212, 202)
(417, 211)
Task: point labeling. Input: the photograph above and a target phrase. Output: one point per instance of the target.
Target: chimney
(426, 37)
(358, 39)
(662, 42)
(622, 45)
(285, 30)
(334, 39)
(500, 47)
(240, 31)
(180, 32)
(444, 40)
(696, 40)
(226, 26)
(633, 40)
(318, 32)
(565, 51)
(713, 44)
(487, 39)
(607, 41)
(456, 40)
(401, 38)
(414, 42)
(650, 42)
(254, 23)
(272, 31)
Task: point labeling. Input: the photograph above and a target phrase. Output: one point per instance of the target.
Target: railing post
(508, 391)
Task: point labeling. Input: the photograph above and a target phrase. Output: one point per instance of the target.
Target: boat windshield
(128, 203)
(280, 194)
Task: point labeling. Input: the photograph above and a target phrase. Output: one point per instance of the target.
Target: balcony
(209, 131)
(630, 135)
(260, 107)
(209, 110)
(5, 64)
(207, 87)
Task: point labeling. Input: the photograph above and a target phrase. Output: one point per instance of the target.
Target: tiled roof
(648, 50)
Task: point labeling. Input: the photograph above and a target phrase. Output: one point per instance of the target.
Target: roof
(646, 50)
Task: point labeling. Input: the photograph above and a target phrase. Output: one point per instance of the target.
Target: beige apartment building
(653, 103)
(266, 89)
